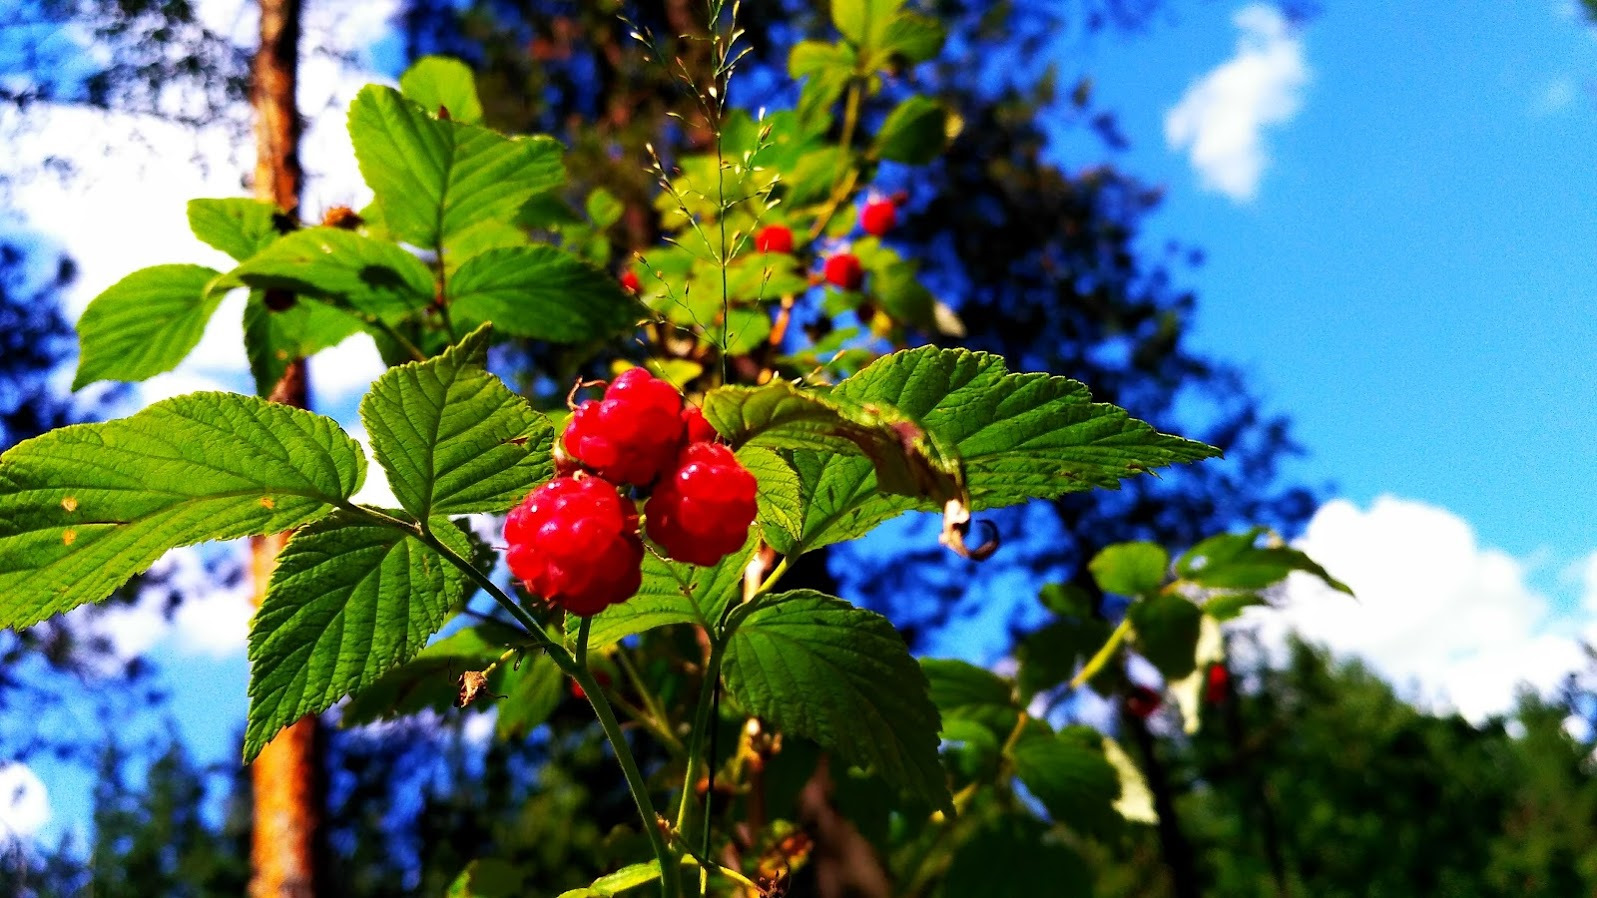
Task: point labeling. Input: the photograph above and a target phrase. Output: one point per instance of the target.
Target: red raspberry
(701, 512)
(632, 434)
(774, 239)
(1143, 701)
(878, 217)
(844, 271)
(630, 282)
(697, 429)
(1216, 681)
(575, 542)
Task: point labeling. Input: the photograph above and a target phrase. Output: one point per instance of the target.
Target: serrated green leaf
(1018, 436)
(1130, 569)
(83, 508)
(532, 692)
(915, 133)
(237, 226)
(1166, 628)
(1012, 856)
(432, 678)
(1071, 776)
(816, 666)
(349, 599)
(272, 339)
(452, 437)
(913, 37)
(435, 178)
(1234, 561)
(370, 277)
(864, 22)
(541, 292)
(435, 82)
(144, 324)
(781, 510)
(673, 593)
(908, 461)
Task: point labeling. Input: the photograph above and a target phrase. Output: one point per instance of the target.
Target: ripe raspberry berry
(630, 435)
(878, 217)
(774, 239)
(843, 270)
(575, 542)
(1216, 683)
(697, 430)
(1142, 701)
(630, 282)
(701, 511)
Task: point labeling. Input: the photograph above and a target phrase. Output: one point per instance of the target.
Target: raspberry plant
(790, 414)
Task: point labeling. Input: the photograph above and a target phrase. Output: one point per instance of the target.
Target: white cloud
(212, 620)
(1435, 611)
(346, 370)
(1220, 120)
(24, 801)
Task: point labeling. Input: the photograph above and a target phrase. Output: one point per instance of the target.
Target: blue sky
(1400, 254)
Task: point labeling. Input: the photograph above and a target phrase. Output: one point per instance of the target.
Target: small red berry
(701, 511)
(630, 282)
(1216, 684)
(575, 542)
(697, 429)
(577, 692)
(1143, 701)
(843, 270)
(878, 217)
(774, 239)
(630, 435)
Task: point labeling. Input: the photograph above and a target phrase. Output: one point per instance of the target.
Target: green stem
(843, 184)
(670, 884)
(701, 725)
(1097, 662)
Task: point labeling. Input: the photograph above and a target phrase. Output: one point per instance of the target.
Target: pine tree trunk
(286, 778)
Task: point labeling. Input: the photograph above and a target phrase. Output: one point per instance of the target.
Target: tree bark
(286, 778)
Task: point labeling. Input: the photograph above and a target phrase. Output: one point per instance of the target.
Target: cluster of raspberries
(575, 539)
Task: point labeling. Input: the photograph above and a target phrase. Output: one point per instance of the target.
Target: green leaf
(1130, 569)
(354, 272)
(1230, 605)
(1018, 436)
(435, 178)
(452, 437)
(83, 508)
(781, 510)
(903, 296)
(965, 692)
(348, 600)
(1166, 628)
(436, 82)
(488, 878)
(1071, 776)
(532, 692)
(779, 415)
(913, 37)
(827, 68)
(273, 338)
(1013, 856)
(915, 133)
(541, 292)
(745, 331)
(1233, 561)
(1051, 655)
(431, 679)
(144, 324)
(237, 226)
(603, 208)
(673, 593)
(864, 22)
(816, 666)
